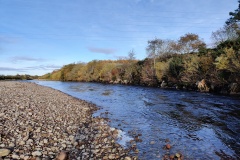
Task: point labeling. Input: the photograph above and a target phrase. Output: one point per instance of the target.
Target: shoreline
(170, 87)
(39, 122)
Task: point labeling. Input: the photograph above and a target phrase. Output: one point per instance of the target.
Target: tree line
(172, 63)
(18, 77)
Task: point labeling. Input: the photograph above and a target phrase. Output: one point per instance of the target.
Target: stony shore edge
(40, 123)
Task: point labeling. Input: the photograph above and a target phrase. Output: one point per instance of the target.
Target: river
(198, 125)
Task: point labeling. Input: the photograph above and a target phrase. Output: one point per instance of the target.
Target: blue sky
(39, 36)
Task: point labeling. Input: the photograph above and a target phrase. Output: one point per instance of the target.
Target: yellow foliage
(161, 69)
(105, 73)
(191, 64)
(56, 75)
(82, 73)
(228, 61)
(222, 62)
(206, 63)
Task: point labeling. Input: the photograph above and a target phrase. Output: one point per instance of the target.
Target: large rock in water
(202, 86)
(234, 88)
(163, 84)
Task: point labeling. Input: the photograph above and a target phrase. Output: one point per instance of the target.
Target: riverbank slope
(39, 123)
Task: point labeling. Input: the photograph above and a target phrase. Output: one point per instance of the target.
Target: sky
(39, 36)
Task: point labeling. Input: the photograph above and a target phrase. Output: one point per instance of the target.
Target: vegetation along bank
(186, 63)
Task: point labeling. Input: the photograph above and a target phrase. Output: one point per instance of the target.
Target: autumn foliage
(179, 64)
(218, 66)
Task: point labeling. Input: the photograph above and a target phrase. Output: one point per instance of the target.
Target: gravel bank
(37, 122)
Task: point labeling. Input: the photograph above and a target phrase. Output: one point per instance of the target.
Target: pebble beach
(40, 123)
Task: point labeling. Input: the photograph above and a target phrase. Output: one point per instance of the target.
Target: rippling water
(198, 125)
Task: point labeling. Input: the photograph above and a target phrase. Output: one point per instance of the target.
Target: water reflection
(201, 126)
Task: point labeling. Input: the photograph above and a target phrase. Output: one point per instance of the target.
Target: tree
(175, 47)
(162, 69)
(176, 67)
(191, 68)
(234, 20)
(73, 75)
(235, 16)
(132, 73)
(229, 60)
(148, 73)
(224, 34)
(56, 75)
(190, 43)
(131, 55)
(106, 73)
(152, 49)
(167, 48)
(158, 47)
(65, 70)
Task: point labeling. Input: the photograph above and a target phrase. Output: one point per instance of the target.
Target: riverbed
(38, 122)
(197, 125)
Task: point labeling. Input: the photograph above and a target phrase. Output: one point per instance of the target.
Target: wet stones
(176, 156)
(42, 123)
(168, 146)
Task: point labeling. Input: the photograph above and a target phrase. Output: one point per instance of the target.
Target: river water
(198, 125)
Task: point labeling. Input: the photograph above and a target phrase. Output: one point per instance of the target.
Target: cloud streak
(12, 69)
(101, 50)
(24, 58)
(26, 69)
(43, 67)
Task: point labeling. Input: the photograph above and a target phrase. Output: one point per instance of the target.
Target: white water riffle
(122, 137)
